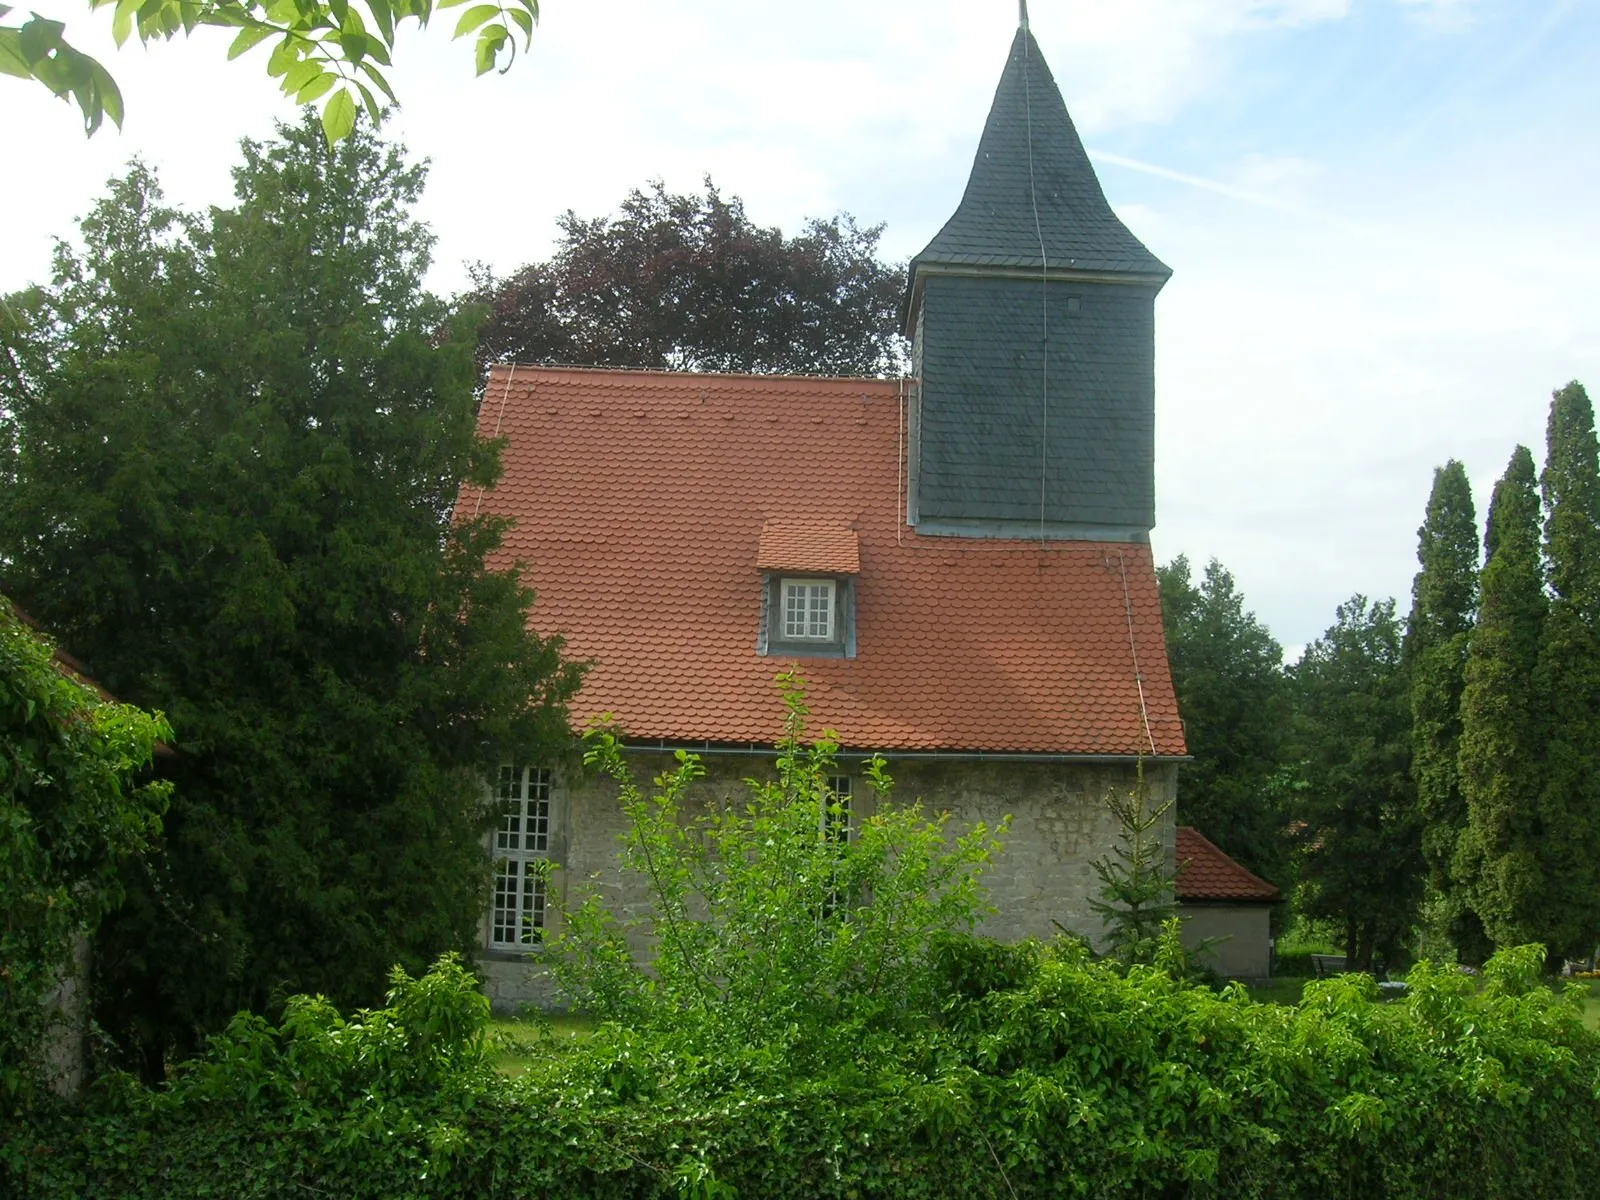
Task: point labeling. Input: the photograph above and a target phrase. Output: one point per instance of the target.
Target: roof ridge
(685, 376)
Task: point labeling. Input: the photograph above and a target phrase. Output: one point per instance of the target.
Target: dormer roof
(1032, 182)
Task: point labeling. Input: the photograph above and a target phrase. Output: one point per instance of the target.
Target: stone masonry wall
(1059, 826)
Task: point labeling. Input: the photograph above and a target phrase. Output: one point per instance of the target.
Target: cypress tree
(1568, 679)
(1444, 597)
(1501, 765)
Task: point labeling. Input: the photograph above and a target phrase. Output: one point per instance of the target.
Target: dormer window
(808, 610)
(808, 591)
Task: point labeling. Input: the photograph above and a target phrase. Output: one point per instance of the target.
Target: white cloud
(1142, 61)
(1308, 383)
(875, 108)
(1447, 15)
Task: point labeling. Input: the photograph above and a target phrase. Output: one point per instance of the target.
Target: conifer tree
(238, 443)
(1568, 680)
(1444, 597)
(1497, 863)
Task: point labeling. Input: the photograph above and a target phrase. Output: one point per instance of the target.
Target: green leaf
(524, 22)
(339, 117)
(11, 60)
(490, 39)
(122, 21)
(354, 46)
(301, 74)
(110, 96)
(384, 16)
(284, 55)
(474, 17)
(369, 101)
(316, 89)
(248, 39)
(151, 15)
(377, 77)
(340, 10)
(38, 37)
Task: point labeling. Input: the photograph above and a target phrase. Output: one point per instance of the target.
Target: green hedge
(1073, 1079)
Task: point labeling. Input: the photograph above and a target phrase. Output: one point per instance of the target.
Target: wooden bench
(1328, 964)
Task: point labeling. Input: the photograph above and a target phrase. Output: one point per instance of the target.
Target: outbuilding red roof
(647, 503)
(1206, 873)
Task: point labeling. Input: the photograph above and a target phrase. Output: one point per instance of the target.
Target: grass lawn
(518, 1040)
(1285, 989)
(1591, 1005)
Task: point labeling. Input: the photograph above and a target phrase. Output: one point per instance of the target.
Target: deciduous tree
(1232, 692)
(1444, 598)
(1362, 861)
(322, 52)
(239, 442)
(689, 282)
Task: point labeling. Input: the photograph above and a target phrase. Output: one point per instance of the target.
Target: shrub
(71, 810)
(1082, 1079)
(795, 1041)
(769, 927)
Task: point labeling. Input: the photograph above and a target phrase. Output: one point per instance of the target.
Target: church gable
(957, 563)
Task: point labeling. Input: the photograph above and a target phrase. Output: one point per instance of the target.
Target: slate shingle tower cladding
(1032, 314)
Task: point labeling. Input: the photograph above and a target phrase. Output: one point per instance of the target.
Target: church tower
(1032, 319)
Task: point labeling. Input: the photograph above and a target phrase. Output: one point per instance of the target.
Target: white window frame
(810, 589)
(521, 846)
(840, 826)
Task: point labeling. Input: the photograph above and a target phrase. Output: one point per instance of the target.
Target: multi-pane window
(521, 842)
(836, 822)
(808, 610)
(836, 816)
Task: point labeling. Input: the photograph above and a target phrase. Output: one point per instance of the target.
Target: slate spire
(1030, 155)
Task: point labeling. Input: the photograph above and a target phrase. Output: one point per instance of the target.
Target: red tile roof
(640, 500)
(75, 670)
(65, 663)
(1206, 873)
(826, 547)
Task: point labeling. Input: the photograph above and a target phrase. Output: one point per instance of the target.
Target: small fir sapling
(1137, 877)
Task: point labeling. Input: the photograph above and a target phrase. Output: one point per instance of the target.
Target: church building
(957, 562)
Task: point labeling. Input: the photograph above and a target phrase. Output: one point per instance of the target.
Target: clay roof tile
(641, 539)
(1206, 873)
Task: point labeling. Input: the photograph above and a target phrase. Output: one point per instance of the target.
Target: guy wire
(1044, 279)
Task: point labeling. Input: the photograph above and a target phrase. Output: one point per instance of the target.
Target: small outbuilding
(1221, 901)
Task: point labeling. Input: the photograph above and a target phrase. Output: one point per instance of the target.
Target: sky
(1383, 216)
